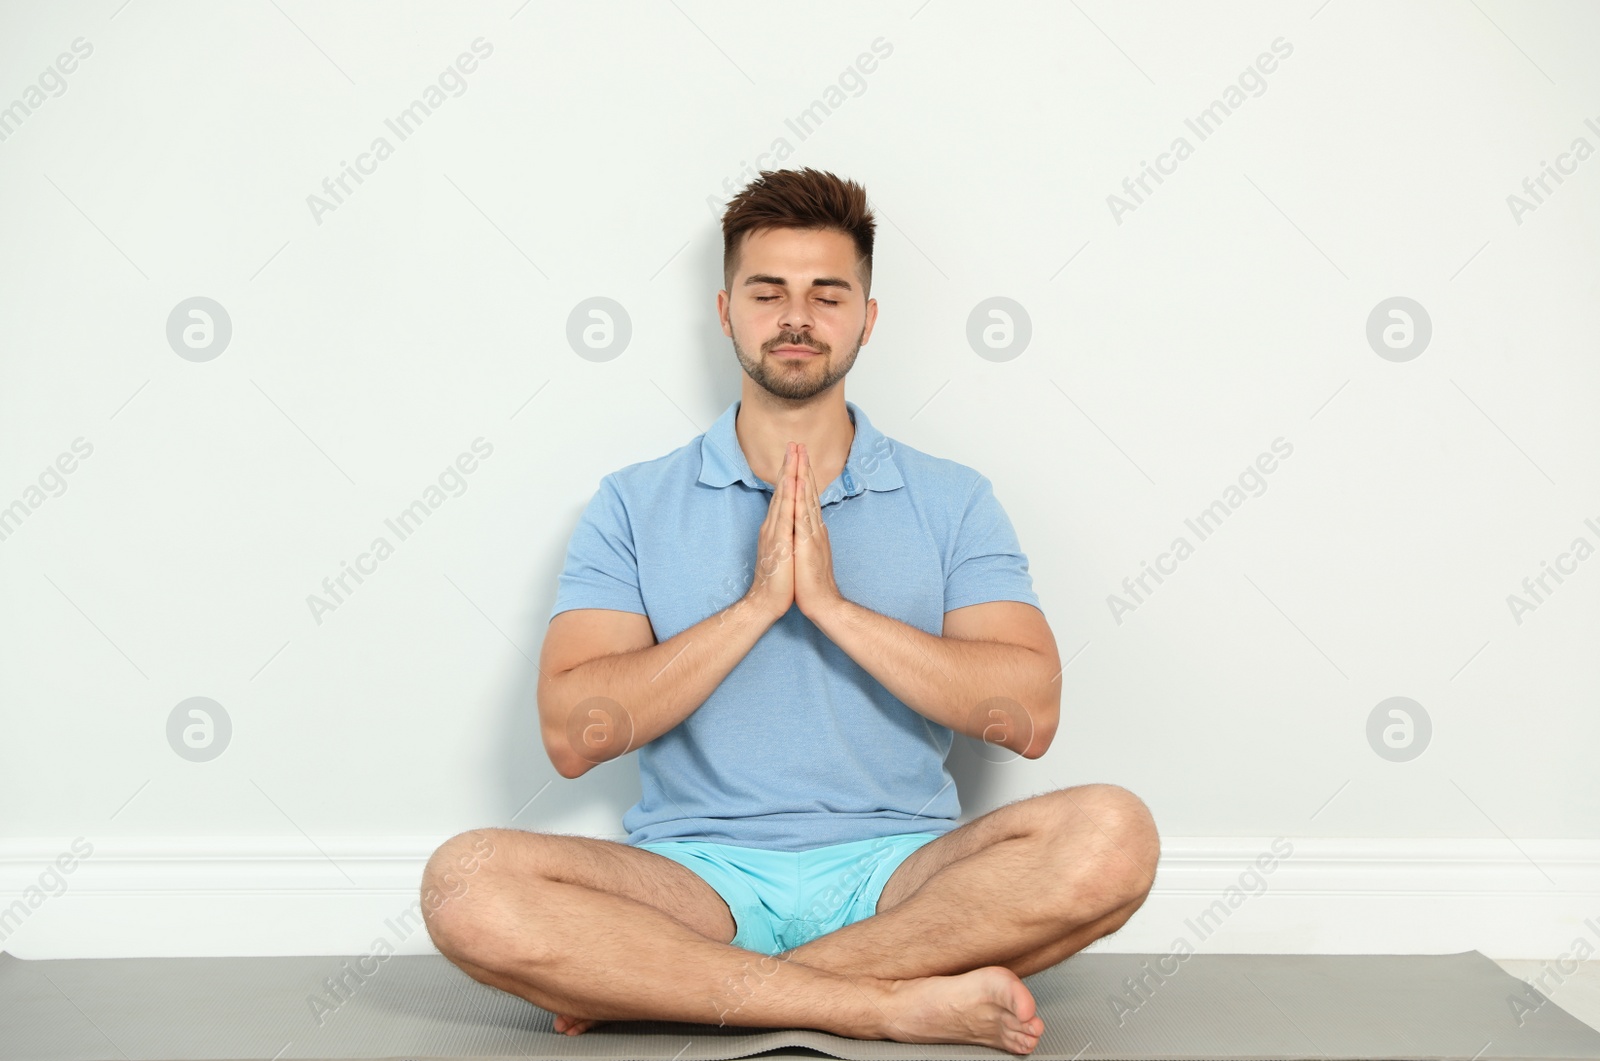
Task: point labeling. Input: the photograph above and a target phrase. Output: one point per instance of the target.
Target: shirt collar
(870, 465)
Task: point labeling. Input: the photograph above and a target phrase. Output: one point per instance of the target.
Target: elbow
(1046, 710)
(568, 764)
(553, 732)
(1047, 717)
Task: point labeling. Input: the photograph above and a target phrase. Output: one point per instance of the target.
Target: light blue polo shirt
(799, 746)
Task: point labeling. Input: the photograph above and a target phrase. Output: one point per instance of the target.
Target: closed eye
(829, 301)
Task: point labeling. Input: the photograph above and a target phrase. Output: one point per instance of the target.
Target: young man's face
(796, 288)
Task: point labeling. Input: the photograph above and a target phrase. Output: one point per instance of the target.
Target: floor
(1577, 992)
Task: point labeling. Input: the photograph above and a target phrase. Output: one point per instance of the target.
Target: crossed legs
(1025, 886)
(959, 922)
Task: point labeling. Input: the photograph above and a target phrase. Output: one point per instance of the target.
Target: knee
(456, 870)
(1121, 834)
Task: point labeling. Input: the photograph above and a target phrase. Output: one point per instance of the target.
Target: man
(790, 617)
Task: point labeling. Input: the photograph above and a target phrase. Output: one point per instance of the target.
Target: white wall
(1172, 343)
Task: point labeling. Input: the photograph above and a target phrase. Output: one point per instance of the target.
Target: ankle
(885, 1003)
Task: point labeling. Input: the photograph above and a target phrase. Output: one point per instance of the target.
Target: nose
(796, 319)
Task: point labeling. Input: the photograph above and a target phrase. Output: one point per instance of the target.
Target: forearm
(637, 696)
(961, 684)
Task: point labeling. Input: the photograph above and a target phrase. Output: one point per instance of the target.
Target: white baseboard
(165, 896)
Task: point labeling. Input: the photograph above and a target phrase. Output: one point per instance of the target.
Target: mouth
(795, 351)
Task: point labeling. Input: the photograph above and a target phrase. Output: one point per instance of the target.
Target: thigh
(1014, 819)
(616, 868)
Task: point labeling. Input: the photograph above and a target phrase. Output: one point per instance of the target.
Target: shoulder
(931, 478)
(646, 482)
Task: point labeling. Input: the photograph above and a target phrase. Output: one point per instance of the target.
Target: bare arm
(993, 674)
(606, 688)
(991, 656)
(595, 711)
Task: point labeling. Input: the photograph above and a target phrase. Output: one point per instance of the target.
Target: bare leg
(934, 933)
(575, 950)
(941, 930)
(1028, 886)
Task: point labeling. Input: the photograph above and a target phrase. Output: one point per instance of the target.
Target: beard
(796, 379)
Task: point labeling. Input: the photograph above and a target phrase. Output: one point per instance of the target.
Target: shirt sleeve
(601, 569)
(987, 563)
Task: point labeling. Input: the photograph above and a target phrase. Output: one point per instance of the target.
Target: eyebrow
(821, 281)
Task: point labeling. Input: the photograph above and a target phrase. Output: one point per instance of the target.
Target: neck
(766, 425)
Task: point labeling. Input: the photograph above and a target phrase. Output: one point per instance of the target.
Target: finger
(802, 514)
(799, 477)
(773, 529)
(783, 475)
(813, 502)
(786, 513)
(771, 546)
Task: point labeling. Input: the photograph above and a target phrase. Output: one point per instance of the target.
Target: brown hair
(807, 198)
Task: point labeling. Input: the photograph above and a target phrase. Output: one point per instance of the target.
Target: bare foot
(573, 1025)
(990, 1006)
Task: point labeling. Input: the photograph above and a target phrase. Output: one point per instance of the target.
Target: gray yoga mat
(1211, 1006)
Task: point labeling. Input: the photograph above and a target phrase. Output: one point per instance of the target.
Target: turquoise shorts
(783, 899)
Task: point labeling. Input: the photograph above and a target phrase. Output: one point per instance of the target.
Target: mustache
(784, 340)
